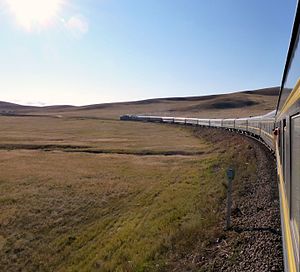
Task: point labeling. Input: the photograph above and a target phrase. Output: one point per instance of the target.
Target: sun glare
(34, 14)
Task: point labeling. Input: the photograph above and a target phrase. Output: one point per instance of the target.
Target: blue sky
(96, 51)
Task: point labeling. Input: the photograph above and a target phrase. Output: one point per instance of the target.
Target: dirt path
(254, 242)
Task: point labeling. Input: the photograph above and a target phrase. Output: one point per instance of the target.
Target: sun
(34, 14)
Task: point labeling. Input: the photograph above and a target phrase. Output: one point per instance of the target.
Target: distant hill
(6, 106)
(236, 104)
(274, 91)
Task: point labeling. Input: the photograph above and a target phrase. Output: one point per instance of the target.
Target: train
(259, 127)
(279, 130)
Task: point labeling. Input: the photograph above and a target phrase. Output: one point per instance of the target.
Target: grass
(77, 211)
(91, 134)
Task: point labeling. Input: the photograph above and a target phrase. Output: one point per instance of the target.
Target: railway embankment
(254, 241)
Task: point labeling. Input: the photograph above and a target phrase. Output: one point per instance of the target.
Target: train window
(295, 178)
(279, 139)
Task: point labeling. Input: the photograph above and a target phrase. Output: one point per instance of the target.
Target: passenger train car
(279, 130)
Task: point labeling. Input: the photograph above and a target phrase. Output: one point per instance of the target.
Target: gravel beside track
(256, 236)
(254, 241)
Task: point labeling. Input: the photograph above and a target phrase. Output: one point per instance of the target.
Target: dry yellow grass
(93, 134)
(63, 208)
(83, 212)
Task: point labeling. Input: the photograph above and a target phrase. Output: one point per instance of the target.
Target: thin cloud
(37, 103)
(77, 25)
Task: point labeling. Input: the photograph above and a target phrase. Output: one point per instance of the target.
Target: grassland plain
(82, 194)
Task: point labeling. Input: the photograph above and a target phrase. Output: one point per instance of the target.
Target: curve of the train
(263, 129)
(279, 130)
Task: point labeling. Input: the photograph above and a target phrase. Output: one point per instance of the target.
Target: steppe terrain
(240, 104)
(83, 191)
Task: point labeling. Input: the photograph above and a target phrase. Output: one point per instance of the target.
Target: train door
(283, 136)
(287, 154)
(295, 182)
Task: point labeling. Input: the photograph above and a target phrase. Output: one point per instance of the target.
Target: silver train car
(273, 133)
(279, 130)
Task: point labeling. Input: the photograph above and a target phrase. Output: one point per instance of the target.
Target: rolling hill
(238, 104)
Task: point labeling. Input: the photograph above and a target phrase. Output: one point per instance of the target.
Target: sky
(79, 52)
